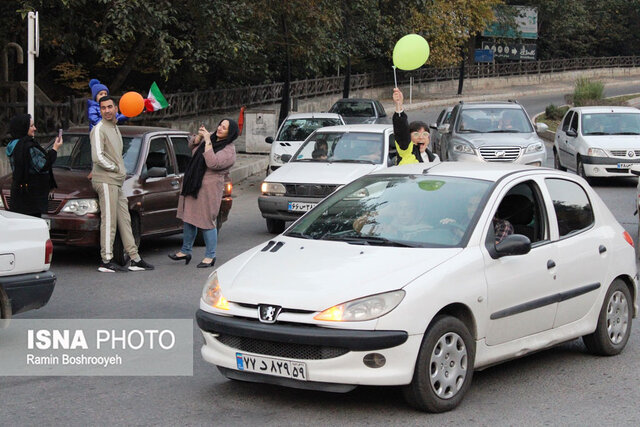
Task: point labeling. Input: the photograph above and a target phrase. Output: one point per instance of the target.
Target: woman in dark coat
(32, 177)
(203, 187)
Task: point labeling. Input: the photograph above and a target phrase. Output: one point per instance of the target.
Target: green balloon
(430, 185)
(410, 52)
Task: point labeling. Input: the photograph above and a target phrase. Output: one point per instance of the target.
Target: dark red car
(155, 159)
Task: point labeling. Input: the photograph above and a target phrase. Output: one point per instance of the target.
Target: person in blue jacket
(98, 90)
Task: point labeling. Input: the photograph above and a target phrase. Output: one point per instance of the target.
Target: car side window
(574, 122)
(571, 203)
(159, 155)
(567, 120)
(521, 211)
(381, 111)
(183, 153)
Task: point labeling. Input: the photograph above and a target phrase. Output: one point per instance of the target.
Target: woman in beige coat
(203, 187)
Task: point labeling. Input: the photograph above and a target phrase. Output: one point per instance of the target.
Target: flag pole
(395, 78)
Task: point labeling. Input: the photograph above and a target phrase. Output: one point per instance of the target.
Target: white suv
(25, 257)
(598, 141)
(295, 129)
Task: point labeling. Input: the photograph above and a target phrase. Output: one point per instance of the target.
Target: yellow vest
(406, 156)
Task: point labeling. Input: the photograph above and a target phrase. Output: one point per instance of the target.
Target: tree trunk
(126, 68)
(347, 78)
(462, 64)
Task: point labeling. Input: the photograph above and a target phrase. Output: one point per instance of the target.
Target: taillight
(228, 187)
(48, 252)
(628, 238)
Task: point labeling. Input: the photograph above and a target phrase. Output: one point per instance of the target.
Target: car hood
(315, 275)
(610, 142)
(72, 184)
(321, 173)
(499, 139)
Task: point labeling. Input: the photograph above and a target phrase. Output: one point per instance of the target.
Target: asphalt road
(560, 386)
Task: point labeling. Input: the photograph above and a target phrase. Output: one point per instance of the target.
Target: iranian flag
(155, 100)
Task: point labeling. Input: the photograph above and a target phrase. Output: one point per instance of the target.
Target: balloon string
(395, 78)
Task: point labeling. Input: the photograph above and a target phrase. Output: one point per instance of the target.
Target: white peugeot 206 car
(417, 275)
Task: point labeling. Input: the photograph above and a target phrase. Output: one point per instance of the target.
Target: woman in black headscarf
(203, 187)
(32, 177)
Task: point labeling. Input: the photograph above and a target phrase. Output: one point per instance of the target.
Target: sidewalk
(249, 164)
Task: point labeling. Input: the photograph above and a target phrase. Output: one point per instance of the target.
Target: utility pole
(33, 50)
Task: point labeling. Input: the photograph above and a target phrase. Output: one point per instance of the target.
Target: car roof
(492, 104)
(476, 170)
(128, 130)
(355, 99)
(373, 128)
(607, 109)
(313, 115)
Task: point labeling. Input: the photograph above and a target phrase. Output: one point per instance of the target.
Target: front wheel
(444, 367)
(614, 322)
(581, 172)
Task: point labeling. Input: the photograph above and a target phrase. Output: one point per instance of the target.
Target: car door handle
(602, 249)
(551, 264)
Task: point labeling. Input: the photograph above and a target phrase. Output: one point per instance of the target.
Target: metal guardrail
(50, 117)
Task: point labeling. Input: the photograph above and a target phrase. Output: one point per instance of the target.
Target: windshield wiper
(369, 240)
(371, 162)
(627, 133)
(470, 131)
(596, 133)
(504, 131)
(298, 234)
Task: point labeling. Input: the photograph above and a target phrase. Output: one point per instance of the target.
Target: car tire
(431, 390)
(614, 322)
(120, 256)
(581, 172)
(556, 162)
(275, 226)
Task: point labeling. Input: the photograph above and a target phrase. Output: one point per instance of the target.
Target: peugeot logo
(268, 313)
(630, 153)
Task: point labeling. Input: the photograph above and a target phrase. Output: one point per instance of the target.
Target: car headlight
(81, 206)
(535, 148)
(362, 309)
(212, 294)
(463, 148)
(596, 152)
(272, 189)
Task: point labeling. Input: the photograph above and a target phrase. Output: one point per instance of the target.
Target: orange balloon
(131, 104)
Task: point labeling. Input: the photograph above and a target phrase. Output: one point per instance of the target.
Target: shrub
(587, 92)
(555, 113)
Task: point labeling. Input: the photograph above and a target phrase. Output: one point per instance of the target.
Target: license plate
(271, 366)
(48, 221)
(624, 165)
(301, 206)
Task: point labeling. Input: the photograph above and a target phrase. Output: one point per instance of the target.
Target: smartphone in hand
(60, 133)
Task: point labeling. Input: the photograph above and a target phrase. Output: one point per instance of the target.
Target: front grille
(624, 153)
(500, 154)
(278, 349)
(309, 190)
(52, 204)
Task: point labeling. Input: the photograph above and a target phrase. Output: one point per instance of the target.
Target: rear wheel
(556, 162)
(120, 256)
(275, 226)
(614, 322)
(444, 367)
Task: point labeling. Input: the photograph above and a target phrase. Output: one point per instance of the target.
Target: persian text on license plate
(624, 165)
(271, 366)
(301, 206)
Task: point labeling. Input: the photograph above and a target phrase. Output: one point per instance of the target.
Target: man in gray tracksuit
(107, 176)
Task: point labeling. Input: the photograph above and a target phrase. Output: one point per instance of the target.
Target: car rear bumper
(28, 291)
(346, 367)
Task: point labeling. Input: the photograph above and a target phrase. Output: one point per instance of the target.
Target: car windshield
(300, 129)
(611, 124)
(493, 120)
(75, 153)
(391, 210)
(342, 147)
(354, 109)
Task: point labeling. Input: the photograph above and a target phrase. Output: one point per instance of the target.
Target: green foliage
(553, 112)
(587, 91)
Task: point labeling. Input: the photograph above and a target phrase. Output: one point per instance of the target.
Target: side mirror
(542, 127)
(444, 128)
(514, 244)
(269, 140)
(285, 158)
(635, 169)
(155, 172)
(572, 133)
(433, 126)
